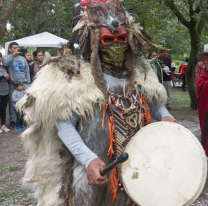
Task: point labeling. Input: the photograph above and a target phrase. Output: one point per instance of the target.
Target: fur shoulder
(56, 97)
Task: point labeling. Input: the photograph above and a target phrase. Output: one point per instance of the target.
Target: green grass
(2, 169)
(12, 169)
(180, 99)
(181, 104)
(16, 195)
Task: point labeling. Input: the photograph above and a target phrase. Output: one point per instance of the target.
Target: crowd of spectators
(17, 71)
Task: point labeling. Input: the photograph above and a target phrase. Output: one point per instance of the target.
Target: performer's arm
(160, 113)
(81, 152)
(70, 137)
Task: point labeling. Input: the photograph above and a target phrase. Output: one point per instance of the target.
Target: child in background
(165, 68)
(17, 94)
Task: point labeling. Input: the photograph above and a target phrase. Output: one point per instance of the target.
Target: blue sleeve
(159, 112)
(15, 97)
(72, 140)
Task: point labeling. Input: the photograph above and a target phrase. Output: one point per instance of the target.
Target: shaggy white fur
(56, 99)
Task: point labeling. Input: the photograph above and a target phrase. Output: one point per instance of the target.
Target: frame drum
(167, 166)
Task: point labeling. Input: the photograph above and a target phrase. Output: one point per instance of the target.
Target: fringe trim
(147, 112)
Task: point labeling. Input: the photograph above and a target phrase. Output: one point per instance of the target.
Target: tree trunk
(5, 14)
(190, 73)
(3, 28)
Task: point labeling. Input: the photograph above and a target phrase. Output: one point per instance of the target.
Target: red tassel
(111, 137)
(114, 185)
(103, 119)
(147, 112)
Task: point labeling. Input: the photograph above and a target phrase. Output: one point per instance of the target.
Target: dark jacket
(31, 67)
(170, 63)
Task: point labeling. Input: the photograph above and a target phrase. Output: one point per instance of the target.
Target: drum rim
(204, 169)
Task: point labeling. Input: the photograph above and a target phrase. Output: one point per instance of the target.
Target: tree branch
(7, 12)
(175, 10)
(5, 15)
(191, 10)
(202, 22)
(199, 7)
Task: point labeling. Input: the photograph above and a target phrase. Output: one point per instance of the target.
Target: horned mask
(107, 34)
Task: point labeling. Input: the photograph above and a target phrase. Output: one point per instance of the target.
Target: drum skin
(166, 167)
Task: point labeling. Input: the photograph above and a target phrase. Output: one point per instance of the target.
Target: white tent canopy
(44, 39)
(2, 50)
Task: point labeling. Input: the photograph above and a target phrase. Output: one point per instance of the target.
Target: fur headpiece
(88, 17)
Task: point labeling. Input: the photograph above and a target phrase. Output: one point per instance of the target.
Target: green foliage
(161, 24)
(178, 63)
(55, 16)
(33, 17)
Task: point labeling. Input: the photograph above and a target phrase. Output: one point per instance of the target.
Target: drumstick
(122, 158)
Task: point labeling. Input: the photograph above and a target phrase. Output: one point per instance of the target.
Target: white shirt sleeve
(72, 140)
(159, 112)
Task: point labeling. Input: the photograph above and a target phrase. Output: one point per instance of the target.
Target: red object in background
(85, 2)
(24, 93)
(172, 75)
(202, 97)
(182, 68)
(121, 37)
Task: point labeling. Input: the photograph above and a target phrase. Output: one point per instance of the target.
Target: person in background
(26, 54)
(202, 97)
(17, 94)
(201, 65)
(166, 76)
(153, 60)
(182, 70)
(4, 96)
(19, 72)
(38, 60)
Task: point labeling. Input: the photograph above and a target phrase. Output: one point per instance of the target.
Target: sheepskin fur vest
(56, 178)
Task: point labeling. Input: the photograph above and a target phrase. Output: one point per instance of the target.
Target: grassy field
(13, 156)
(181, 104)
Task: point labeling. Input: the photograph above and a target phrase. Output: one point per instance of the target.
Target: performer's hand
(169, 119)
(93, 173)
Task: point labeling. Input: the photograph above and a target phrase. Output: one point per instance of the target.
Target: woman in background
(153, 60)
(4, 96)
(26, 54)
(38, 60)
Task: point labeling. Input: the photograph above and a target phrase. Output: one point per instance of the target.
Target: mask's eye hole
(121, 38)
(72, 63)
(98, 12)
(108, 40)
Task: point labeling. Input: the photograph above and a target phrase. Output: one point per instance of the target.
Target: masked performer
(82, 113)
